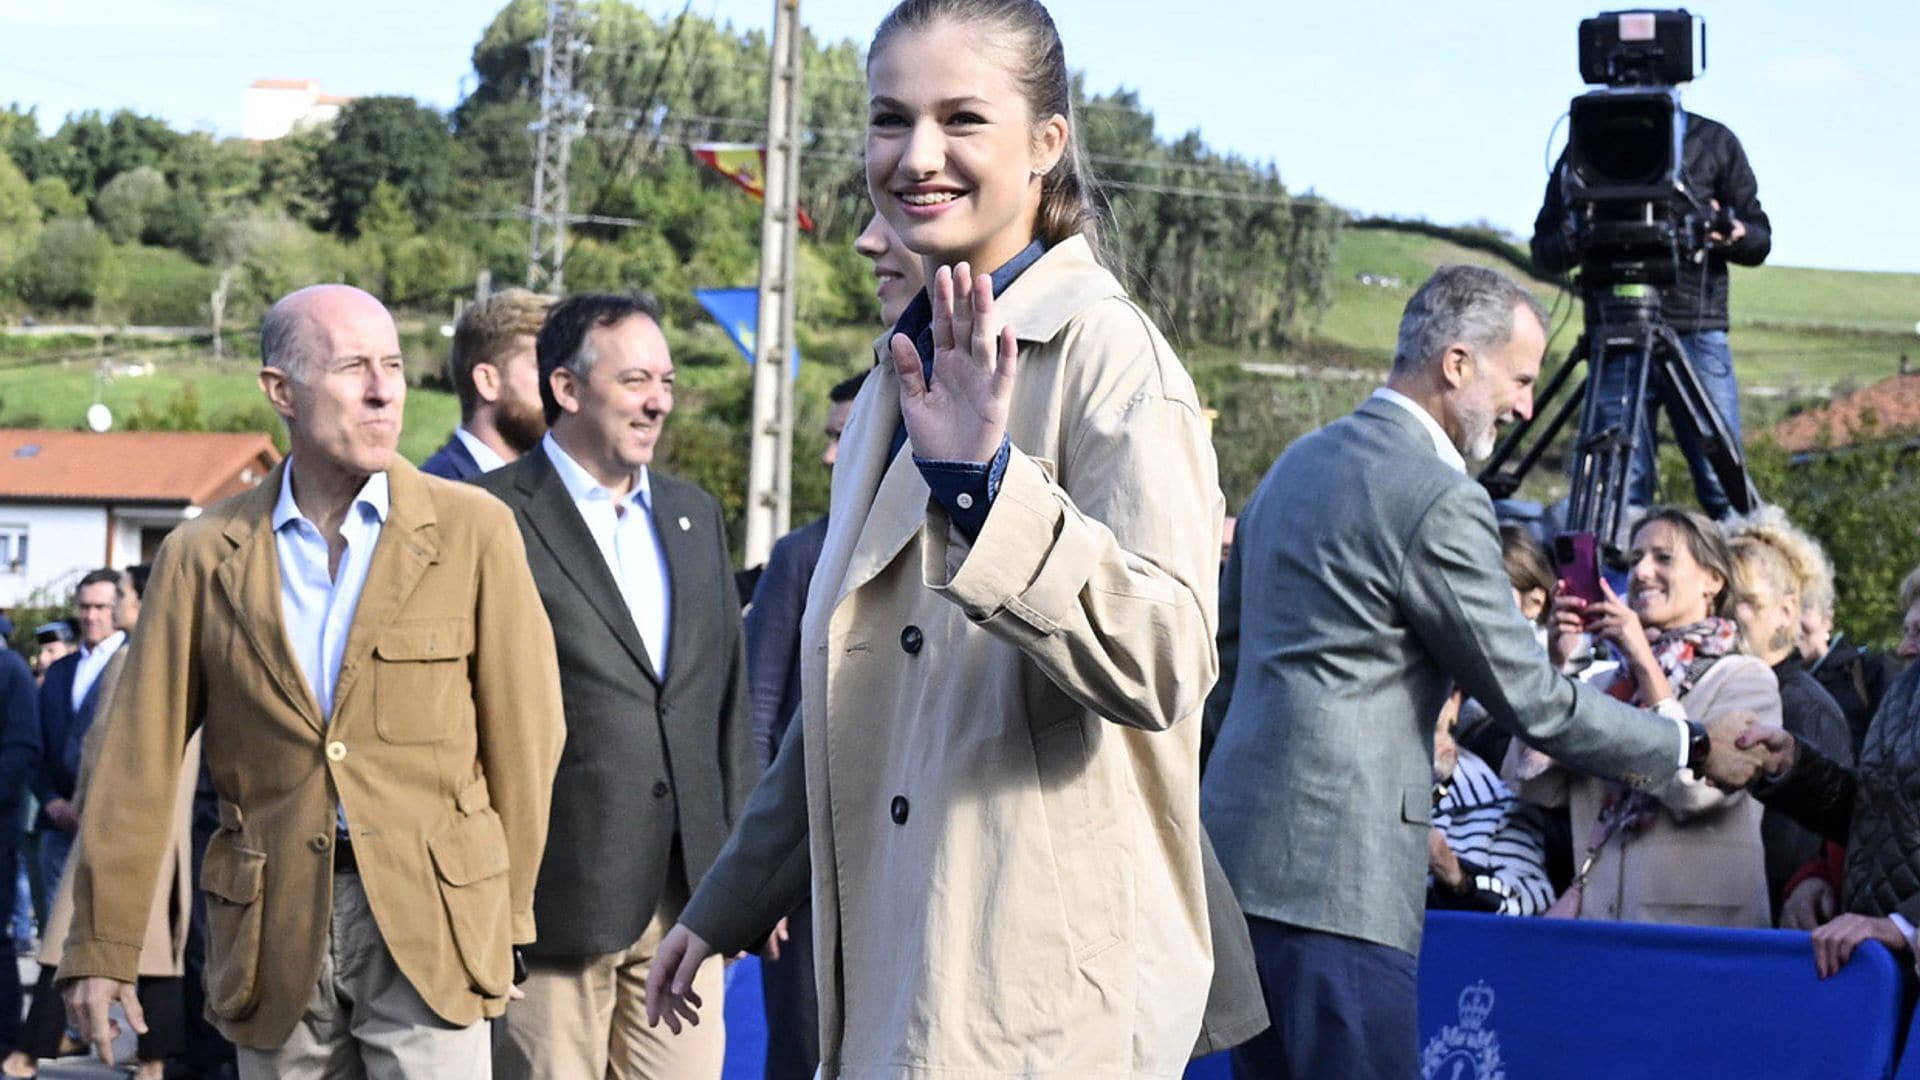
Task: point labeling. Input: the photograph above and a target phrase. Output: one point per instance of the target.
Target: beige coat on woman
(164, 951)
(1001, 739)
(1699, 863)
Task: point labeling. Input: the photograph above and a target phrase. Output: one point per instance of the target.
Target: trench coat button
(336, 751)
(911, 639)
(660, 789)
(899, 809)
(320, 844)
(964, 501)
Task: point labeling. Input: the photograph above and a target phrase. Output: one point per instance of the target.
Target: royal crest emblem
(1468, 1050)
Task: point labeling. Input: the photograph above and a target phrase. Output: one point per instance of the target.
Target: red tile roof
(1893, 404)
(284, 84)
(191, 468)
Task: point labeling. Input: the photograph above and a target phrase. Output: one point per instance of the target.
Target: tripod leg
(1711, 442)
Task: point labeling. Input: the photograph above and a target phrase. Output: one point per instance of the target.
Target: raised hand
(963, 415)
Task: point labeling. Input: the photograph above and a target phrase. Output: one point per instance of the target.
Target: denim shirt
(965, 489)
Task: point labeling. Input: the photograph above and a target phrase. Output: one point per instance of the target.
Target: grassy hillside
(1796, 332)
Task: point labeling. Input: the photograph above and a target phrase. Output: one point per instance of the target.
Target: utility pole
(770, 462)
(562, 109)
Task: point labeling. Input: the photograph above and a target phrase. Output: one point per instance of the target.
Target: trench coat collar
(250, 578)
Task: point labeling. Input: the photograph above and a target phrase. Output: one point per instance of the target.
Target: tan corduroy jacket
(441, 750)
(1001, 739)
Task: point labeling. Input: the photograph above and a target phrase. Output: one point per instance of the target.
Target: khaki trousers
(365, 1020)
(585, 1018)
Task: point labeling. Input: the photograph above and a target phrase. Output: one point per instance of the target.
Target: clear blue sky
(1412, 107)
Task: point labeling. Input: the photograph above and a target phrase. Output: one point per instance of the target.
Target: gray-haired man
(1365, 580)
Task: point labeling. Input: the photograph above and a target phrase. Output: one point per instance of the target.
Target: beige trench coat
(164, 952)
(1001, 739)
(1700, 863)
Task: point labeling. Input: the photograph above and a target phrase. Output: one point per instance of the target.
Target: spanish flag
(746, 165)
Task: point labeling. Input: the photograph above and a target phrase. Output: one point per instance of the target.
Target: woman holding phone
(1689, 854)
(1009, 636)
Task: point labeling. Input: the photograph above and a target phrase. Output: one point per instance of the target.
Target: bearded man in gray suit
(1365, 581)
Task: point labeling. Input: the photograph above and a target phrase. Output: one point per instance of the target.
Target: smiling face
(954, 155)
(1668, 587)
(897, 273)
(342, 399)
(610, 419)
(1496, 387)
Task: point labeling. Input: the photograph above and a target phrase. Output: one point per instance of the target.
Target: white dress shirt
(483, 454)
(93, 661)
(624, 531)
(316, 604)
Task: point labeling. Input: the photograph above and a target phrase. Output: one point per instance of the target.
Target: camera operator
(1695, 306)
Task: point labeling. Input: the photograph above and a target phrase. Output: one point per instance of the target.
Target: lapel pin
(685, 525)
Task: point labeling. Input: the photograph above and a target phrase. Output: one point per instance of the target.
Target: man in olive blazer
(658, 760)
(1365, 581)
(376, 858)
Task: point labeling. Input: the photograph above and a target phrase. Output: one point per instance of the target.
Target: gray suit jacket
(647, 760)
(1365, 578)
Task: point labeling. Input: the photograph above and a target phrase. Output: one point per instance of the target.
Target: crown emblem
(1476, 1004)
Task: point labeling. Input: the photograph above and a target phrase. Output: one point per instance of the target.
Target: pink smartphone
(1577, 559)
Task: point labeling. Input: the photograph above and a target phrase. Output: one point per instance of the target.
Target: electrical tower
(770, 461)
(562, 113)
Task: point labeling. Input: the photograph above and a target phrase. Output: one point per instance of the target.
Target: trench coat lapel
(250, 579)
(885, 494)
(407, 546)
(558, 523)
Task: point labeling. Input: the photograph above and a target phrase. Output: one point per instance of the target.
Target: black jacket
(1857, 678)
(1869, 808)
(653, 767)
(1716, 168)
(1816, 721)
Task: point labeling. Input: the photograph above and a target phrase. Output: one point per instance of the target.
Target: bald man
(376, 678)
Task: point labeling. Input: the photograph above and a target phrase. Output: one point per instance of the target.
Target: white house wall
(63, 543)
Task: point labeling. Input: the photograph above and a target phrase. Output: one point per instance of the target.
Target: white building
(74, 501)
(276, 108)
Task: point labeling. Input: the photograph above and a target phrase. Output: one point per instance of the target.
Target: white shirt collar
(373, 496)
(580, 483)
(1442, 445)
(106, 647)
(483, 455)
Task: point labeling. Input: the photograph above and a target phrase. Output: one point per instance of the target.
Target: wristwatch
(1699, 747)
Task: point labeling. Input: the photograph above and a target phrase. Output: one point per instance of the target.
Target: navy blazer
(773, 634)
(452, 462)
(19, 737)
(62, 731)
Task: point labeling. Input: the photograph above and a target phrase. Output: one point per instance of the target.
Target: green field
(1797, 333)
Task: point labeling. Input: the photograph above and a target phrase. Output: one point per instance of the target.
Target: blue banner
(1573, 1000)
(738, 313)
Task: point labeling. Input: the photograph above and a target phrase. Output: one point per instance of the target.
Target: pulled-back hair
(1773, 551)
(1027, 38)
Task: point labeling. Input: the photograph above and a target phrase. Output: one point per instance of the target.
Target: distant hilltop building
(1887, 410)
(276, 108)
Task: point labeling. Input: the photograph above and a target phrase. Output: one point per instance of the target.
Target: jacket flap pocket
(473, 849)
(233, 873)
(1416, 804)
(426, 639)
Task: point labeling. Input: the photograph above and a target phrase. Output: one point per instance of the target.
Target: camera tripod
(1624, 330)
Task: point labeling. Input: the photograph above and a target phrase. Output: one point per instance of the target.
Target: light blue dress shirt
(316, 605)
(628, 541)
(93, 661)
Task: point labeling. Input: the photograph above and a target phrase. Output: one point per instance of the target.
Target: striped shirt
(1497, 839)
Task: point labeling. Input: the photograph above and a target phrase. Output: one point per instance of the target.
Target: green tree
(64, 268)
(392, 140)
(90, 149)
(56, 200)
(19, 216)
(125, 204)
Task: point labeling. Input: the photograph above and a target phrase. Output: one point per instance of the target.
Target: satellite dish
(99, 418)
